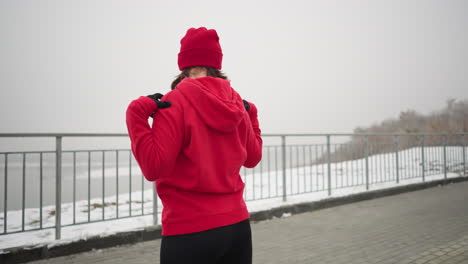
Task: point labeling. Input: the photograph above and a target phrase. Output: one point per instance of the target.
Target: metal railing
(320, 163)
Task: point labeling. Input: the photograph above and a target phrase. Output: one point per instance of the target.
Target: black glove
(246, 105)
(159, 104)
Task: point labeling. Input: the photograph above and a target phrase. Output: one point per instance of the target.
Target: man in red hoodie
(202, 133)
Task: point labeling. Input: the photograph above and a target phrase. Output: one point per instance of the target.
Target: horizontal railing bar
(64, 151)
(364, 134)
(95, 150)
(63, 135)
(264, 135)
(27, 152)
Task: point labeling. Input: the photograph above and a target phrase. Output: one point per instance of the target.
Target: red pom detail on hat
(200, 47)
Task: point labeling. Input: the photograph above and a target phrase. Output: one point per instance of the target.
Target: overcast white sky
(310, 66)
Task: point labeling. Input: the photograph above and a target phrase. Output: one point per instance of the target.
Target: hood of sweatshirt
(219, 106)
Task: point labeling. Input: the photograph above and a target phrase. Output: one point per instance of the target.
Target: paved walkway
(428, 226)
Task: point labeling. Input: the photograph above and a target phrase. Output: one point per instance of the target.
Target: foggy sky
(309, 66)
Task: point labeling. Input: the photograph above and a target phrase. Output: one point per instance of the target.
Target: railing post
(117, 184)
(155, 206)
(5, 197)
(397, 150)
(464, 154)
(445, 156)
(283, 149)
(103, 184)
(329, 165)
(58, 186)
(23, 193)
(423, 159)
(367, 162)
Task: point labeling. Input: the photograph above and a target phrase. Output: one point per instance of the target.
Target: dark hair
(210, 71)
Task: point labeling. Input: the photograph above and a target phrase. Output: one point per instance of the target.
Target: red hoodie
(194, 151)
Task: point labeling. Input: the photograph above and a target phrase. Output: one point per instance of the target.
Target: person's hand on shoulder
(159, 104)
(250, 108)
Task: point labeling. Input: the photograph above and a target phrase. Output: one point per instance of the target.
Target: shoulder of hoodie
(172, 95)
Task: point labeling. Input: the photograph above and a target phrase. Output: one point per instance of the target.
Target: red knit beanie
(200, 47)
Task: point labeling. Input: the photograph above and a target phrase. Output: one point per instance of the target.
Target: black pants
(227, 244)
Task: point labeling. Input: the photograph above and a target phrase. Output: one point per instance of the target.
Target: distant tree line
(452, 119)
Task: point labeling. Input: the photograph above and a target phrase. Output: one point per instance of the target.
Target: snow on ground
(263, 191)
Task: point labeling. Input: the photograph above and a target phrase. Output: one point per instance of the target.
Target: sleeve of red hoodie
(254, 140)
(155, 148)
